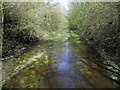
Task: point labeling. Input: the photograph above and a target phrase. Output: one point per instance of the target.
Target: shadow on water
(62, 69)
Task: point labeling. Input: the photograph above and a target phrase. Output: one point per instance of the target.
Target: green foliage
(18, 21)
(61, 36)
(29, 22)
(31, 19)
(96, 23)
(71, 33)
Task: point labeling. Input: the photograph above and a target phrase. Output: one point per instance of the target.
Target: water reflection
(65, 68)
(64, 64)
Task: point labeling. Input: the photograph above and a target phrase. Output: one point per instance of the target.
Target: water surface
(64, 65)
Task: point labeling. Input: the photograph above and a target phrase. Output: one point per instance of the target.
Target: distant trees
(29, 22)
(30, 19)
(97, 24)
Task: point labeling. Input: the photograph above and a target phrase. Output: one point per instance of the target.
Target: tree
(29, 22)
(96, 23)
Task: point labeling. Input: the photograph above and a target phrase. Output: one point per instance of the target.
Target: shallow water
(64, 65)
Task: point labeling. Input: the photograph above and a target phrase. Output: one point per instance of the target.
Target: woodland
(42, 44)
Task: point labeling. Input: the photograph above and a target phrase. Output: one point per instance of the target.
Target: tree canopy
(96, 23)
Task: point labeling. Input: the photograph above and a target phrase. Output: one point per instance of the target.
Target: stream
(65, 64)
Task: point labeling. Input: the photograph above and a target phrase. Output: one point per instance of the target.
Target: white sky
(64, 3)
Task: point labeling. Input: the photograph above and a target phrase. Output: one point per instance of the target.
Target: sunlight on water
(66, 54)
(65, 67)
(66, 57)
(64, 64)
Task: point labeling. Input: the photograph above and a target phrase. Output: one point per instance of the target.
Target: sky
(64, 3)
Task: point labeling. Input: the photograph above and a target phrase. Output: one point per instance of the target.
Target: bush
(97, 24)
(28, 22)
